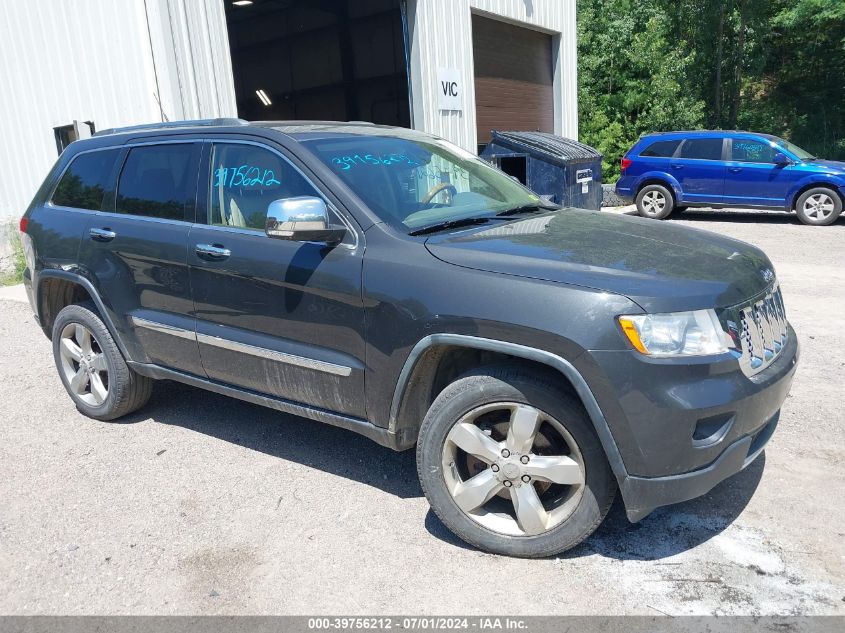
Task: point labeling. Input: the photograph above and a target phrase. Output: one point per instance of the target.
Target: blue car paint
(727, 183)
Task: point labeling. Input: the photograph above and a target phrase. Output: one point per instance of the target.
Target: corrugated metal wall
(441, 37)
(105, 61)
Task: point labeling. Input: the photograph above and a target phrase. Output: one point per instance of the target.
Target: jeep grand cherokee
(385, 281)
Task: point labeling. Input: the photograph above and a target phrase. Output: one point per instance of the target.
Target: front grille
(758, 330)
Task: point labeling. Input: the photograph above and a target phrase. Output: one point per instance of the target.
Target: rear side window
(751, 151)
(702, 148)
(87, 181)
(158, 181)
(661, 149)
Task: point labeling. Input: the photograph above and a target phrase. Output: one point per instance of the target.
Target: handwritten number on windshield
(345, 163)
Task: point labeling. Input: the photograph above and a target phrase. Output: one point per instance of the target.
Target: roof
(716, 133)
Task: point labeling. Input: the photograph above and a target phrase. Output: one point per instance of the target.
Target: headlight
(695, 333)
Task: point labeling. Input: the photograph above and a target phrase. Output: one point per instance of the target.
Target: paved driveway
(201, 504)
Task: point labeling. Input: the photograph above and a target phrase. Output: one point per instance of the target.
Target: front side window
(87, 181)
(245, 179)
(661, 149)
(157, 180)
(702, 149)
(751, 151)
(412, 182)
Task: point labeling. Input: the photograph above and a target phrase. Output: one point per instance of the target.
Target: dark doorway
(319, 60)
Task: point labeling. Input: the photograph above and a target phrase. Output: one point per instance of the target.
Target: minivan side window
(661, 149)
(245, 179)
(157, 180)
(750, 151)
(87, 181)
(702, 149)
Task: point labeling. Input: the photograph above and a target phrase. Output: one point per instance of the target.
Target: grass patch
(15, 275)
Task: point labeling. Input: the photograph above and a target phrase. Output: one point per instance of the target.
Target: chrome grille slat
(758, 330)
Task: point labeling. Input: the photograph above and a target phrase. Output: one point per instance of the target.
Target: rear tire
(655, 202)
(539, 500)
(92, 369)
(819, 206)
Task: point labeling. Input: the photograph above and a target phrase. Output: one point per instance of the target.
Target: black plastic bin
(559, 169)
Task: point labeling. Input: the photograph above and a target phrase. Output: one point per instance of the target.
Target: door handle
(212, 251)
(676, 166)
(735, 170)
(102, 235)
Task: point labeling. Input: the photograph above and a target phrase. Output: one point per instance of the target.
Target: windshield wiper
(449, 224)
(528, 208)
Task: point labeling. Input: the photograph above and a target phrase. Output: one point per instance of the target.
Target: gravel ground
(202, 504)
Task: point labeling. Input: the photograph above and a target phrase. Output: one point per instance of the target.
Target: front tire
(92, 369)
(512, 465)
(655, 202)
(819, 206)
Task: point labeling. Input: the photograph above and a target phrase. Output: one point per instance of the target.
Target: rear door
(699, 167)
(752, 177)
(274, 316)
(136, 251)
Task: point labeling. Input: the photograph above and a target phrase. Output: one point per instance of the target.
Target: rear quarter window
(87, 181)
(661, 149)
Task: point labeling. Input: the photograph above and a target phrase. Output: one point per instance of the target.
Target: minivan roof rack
(172, 124)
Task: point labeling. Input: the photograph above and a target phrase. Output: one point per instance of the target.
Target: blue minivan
(672, 171)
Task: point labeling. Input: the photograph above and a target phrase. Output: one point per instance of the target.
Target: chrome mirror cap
(303, 219)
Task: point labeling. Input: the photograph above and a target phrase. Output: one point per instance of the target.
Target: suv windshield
(802, 154)
(414, 183)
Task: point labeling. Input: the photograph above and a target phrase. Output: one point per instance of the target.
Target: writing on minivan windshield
(347, 162)
(244, 176)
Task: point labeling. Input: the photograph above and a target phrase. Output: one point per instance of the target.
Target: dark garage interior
(320, 59)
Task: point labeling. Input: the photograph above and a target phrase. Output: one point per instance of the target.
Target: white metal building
(456, 68)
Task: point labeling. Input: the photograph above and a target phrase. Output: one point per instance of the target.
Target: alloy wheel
(819, 207)
(654, 202)
(84, 364)
(513, 469)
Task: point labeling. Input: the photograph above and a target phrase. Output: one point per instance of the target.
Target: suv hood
(661, 267)
(829, 166)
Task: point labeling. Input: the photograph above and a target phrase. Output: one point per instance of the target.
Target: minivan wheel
(655, 202)
(819, 207)
(511, 464)
(92, 368)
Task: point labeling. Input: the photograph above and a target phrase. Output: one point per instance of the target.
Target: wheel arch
(664, 180)
(804, 187)
(423, 373)
(57, 289)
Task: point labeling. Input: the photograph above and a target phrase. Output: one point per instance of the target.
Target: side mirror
(302, 219)
(781, 159)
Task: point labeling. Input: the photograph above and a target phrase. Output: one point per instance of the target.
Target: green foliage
(775, 66)
(15, 276)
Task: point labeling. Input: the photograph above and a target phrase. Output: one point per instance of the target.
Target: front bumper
(681, 428)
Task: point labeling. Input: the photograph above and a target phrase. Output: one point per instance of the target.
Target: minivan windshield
(415, 183)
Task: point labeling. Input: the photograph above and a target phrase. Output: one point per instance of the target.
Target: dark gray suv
(387, 282)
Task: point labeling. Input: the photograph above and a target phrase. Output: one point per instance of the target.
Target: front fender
(815, 180)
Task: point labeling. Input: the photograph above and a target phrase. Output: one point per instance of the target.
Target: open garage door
(319, 59)
(514, 78)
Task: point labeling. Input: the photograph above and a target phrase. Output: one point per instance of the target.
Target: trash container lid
(545, 145)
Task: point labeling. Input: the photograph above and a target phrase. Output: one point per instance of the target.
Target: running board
(362, 427)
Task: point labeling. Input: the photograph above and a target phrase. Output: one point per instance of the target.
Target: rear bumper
(625, 189)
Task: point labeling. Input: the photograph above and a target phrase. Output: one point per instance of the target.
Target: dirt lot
(201, 504)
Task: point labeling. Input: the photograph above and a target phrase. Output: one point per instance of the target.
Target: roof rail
(172, 124)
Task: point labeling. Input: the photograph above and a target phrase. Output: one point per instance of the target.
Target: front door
(136, 251)
(274, 316)
(699, 169)
(753, 178)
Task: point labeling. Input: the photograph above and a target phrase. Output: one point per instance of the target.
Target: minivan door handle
(677, 166)
(735, 170)
(212, 251)
(102, 235)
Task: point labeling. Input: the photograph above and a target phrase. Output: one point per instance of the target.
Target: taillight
(626, 162)
(23, 224)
